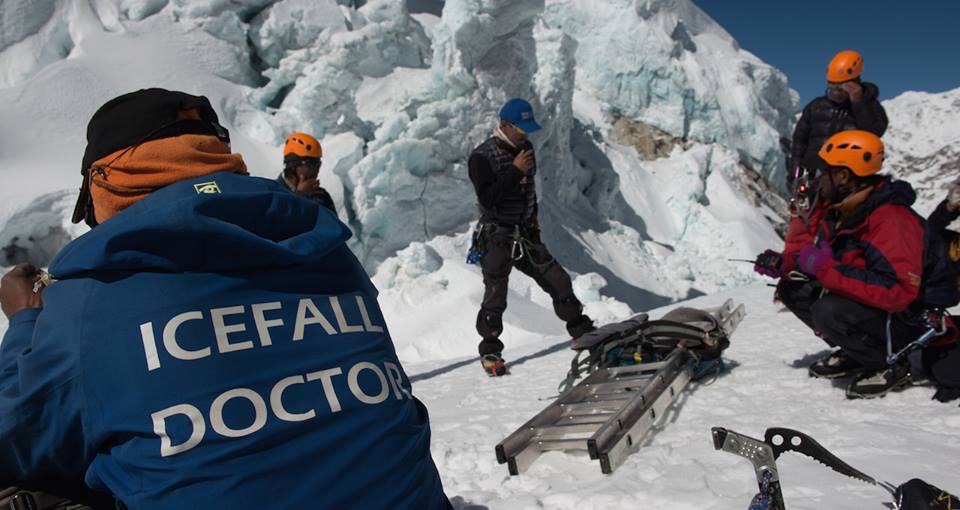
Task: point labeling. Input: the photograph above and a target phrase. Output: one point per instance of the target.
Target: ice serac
(316, 55)
(658, 130)
(654, 227)
(33, 34)
(923, 143)
(667, 64)
(413, 183)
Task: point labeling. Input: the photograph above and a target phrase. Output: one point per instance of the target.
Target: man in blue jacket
(211, 343)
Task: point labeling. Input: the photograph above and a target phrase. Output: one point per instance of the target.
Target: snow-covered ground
(901, 436)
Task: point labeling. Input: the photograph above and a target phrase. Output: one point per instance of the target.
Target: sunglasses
(829, 170)
(835, 87)
(309, 164)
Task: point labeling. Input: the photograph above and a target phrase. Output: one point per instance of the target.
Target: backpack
(641, 340)
(940, 283)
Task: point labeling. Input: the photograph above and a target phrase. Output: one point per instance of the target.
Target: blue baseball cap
(519, 113)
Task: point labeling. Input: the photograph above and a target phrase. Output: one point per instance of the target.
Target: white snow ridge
(661, 140)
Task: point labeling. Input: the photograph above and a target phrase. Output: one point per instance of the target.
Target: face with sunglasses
(842, 92)
(302, 176)
(834, 182)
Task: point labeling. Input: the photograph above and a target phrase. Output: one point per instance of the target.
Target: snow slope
(923, 143)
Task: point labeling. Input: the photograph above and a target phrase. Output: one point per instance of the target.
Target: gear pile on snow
(639, 340)
(634, 370)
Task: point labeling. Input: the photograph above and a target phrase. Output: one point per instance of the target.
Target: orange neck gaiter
(152, 165)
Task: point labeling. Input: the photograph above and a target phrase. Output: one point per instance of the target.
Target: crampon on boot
(493, 365)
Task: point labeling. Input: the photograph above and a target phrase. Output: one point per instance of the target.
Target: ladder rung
(547, 445)
(565, 429)
(600, 417)
(597, 407)
(610, 387)
(594, 398)
(640, 368)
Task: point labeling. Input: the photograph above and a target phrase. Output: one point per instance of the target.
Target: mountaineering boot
(835, 365)
(580, 326)
(877, 383)
(493, 365)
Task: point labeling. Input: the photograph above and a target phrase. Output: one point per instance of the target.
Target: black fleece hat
(137, 117)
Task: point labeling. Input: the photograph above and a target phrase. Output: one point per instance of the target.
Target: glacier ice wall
(668, 64)
(400, 99)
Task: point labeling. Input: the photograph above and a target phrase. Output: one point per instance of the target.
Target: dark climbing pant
(858, 329)
(942, 364)
(504, 251)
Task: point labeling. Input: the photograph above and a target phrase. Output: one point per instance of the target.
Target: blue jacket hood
(222, 222)
(216, 345)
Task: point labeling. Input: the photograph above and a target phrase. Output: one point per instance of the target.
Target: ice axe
(763, 456)
(915, 494)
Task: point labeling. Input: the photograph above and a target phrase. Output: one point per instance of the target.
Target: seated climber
(853, 267)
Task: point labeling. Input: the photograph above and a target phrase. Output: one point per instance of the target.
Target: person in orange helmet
(849, 103)
(302, 157)
(863, 269)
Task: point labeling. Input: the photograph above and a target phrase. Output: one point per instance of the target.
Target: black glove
(769, 263)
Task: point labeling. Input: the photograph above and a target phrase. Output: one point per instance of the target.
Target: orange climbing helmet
(845, 66)
(860, 151)
(300, 146)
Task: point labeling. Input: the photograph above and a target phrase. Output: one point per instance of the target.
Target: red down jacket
(877, 244)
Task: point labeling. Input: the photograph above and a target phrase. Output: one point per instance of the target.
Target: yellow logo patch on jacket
(207, 187)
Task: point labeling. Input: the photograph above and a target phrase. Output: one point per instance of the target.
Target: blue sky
(905, 45)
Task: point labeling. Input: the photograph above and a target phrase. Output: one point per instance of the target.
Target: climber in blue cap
(502, 170)
(519, 114)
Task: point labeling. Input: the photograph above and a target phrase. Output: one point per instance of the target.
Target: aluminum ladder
(610, 411)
